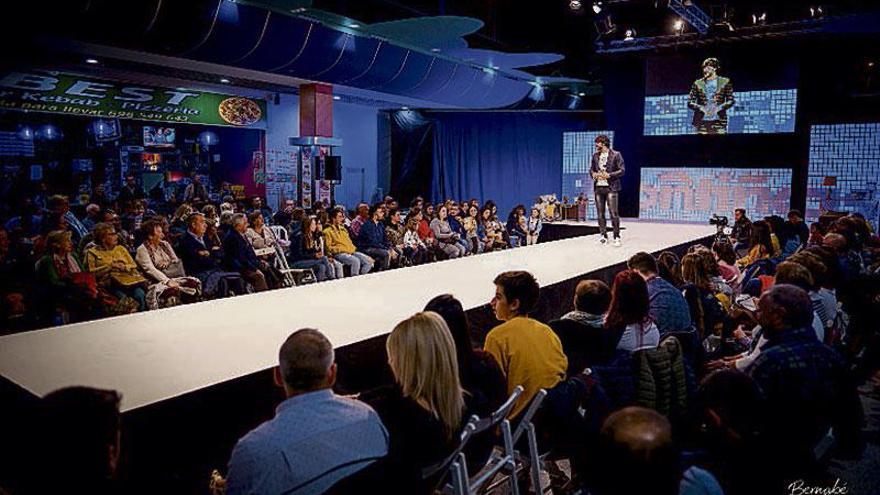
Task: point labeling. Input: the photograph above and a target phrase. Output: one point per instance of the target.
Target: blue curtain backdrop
(509, 157)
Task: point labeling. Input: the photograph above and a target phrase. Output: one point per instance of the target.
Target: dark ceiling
(552, 25)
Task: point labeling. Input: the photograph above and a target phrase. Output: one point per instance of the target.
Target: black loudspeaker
(332, 168)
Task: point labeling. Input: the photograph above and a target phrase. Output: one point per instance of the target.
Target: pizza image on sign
(240, 111)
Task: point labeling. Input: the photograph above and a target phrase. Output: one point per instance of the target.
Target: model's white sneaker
(603, 240)
(617, 242)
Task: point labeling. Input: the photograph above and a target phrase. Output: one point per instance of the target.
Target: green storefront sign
(73, 95)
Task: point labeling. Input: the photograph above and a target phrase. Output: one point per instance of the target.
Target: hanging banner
(91, 97)
(306, 177)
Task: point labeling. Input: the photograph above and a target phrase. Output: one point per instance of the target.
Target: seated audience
(414, 249)
(471, 223)
(169, 284)
(316, 437)
(741, 233)
(629, 315)
(202, 254)
(240, 256)
(425, 410)
(80, 437)
(669, 266)
(582, 331)
(515, 232)
(707, 313)
(668, 308)
(371, 238)
(455, 223)
(760, 244)
(447, 239)
(261, 236)
(114, 269)
(335, 268)
(533, 230)
(493, 233)
(806, 384)
(394, 231)
(362, 215)
(340, 247)
(726, 258)
(304, 252)
(528, 351)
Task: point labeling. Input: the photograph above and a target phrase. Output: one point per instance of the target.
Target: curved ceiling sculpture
(425, 58)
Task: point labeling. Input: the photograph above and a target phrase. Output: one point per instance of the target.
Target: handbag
(127, 279)
(86, 282)
(175, 270)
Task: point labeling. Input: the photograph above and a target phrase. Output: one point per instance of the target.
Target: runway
(157, 355)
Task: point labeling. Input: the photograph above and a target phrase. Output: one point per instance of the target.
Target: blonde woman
(424, 410)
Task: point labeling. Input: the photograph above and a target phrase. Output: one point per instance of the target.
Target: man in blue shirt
(668, 309)
(316, 437)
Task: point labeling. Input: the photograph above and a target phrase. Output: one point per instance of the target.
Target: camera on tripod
(721, 225)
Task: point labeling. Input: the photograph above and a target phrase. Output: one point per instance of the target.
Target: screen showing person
(687, 94)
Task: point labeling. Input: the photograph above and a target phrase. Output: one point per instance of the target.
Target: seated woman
(707, 312)
(304, 253)
(533, 227)
(169, 284)
(414, 249)
(760, 244)
(446, 238)
(515, 231)
(427, 235)
(261, 236)
(479, 373)
(69, 291)
(726, 258)
(488, 232)
(394, 232)
(471, 223)
(628, 315)
(114, 269)
(425, 409)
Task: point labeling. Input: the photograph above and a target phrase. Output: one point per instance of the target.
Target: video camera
(719, 221)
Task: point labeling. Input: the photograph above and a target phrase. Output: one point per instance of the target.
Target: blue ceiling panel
(389, 62)
(324, 50)
(359, 55)
(236, 32)
(436, 78)
(409, 74)
(284, 40)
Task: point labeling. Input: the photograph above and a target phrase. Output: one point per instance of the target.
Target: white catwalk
(157, 355)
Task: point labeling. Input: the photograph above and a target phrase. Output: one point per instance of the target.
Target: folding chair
(453, 463)
(526, 425)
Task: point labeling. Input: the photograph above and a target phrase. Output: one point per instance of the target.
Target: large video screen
(577, 151)
(690, 194)
(719, 94)
(844, 171)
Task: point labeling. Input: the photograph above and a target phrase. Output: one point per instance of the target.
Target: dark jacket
(614, 167)
(240, 254)
(585, 345)
(723, 97)
(188, 248)
(372, 235)
(298, 250)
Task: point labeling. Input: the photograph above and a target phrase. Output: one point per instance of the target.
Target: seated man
(316, 437)
(80, 433)
(807, 385)
(240, 255)
(668, 308)
(372, 241)
(528, 351)
(339, 245)
(582, 332)
(203, 257)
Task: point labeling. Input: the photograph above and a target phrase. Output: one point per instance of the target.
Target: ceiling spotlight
(225, 81)
(92, 61)
(629, 35)
(597, 7)
(337, 97)
(817, 12)
(404, 108)
(582, 94)
(354, 25)
(759, 18)
(678, 26)
(575, 4)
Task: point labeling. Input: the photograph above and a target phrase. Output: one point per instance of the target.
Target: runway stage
(195, 378)
(157, 355)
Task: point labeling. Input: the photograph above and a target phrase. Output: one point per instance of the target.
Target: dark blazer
(723, 97)
(240, 254)
(614, 167)
(188, 248)
(372, 235)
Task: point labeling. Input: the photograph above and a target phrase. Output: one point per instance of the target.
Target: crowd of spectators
(703, 375)
(62, 263)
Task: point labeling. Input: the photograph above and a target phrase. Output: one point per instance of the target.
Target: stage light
(597, 7)
(404, 108)
(678, 26)
(582, 94)
(817, 12)
(91, 61)
(575, 5)
(208, 139)
(354, 25)
(26, 132)
(759, 18)
(629, 35)
(337, 97)
(224, 80)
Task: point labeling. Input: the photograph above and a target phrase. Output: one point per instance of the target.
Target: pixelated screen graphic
(747, 96)
(844, 170)
(577, 151)
(693, 194)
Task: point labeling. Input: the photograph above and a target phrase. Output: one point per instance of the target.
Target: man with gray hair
(240, 255)
(807, 386)
(316, 438)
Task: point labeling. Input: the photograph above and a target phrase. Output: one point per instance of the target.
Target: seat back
(527, 426)
(280, 232)
(506, 460)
